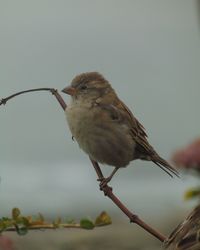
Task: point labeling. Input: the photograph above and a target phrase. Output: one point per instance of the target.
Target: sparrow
(186, 236)
(105, 128)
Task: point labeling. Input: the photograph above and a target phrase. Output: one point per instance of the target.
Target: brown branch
(106, 189)
(133, 217)
(59, 99)
(52, 90)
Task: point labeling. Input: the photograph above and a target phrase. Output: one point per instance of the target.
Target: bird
(104, 126)
(186, 236)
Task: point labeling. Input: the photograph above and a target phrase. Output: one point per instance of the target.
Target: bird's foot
(104, 182)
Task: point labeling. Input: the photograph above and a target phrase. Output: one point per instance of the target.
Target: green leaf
(192, 193)
(86, 224)
(103, 219)
(21, 230)
(4, 225)
(25, 221)
(15, 213)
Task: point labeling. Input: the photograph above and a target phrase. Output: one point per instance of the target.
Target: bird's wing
(136, 128)
(143, 149)
(120, 112)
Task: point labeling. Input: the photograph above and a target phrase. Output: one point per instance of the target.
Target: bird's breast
(78, 118)
(103, 140)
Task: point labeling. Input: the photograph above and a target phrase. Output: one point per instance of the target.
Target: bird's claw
(103, 182)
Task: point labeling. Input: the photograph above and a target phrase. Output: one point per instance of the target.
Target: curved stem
(52, 90)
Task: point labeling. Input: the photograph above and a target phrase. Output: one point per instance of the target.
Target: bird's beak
(69, 90)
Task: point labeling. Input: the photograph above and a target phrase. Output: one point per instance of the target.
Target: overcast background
(148, 50)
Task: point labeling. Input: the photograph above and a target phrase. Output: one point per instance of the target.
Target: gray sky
(148, 50)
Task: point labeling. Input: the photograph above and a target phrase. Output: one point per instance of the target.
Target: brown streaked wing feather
(187, 233)
(137, 129)
(146, 151)
(143, 149)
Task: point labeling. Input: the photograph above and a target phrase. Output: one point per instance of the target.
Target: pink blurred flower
(188, 157)
(6, 243)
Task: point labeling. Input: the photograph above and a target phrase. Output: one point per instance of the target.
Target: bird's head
(88, 86)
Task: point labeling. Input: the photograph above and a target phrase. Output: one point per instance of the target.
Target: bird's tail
(164, 165)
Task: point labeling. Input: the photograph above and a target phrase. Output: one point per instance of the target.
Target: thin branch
(133, 217)
(22, 224)
(52, 90)
(4, 100)
(59, 99)
(46, 226)
(106, 189)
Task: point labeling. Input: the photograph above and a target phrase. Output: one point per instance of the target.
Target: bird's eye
(83, 87)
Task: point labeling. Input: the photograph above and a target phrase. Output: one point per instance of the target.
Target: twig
(133, 217)
(106, 189)
(22, 224)
(46, 226)
(52, 90)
